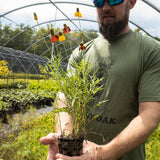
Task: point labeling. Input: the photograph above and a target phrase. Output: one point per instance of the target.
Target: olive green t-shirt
(130, 67)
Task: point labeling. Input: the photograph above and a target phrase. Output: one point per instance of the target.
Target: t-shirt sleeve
(149, 84)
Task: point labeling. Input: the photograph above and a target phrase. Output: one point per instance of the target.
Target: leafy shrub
(4, 70)
(17, 100)
(12, 83)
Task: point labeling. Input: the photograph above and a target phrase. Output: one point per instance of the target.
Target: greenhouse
(37, 39)
(58, 14)
(20, 62)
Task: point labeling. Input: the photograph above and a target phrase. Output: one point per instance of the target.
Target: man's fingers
(59, 157)
(63, 157)
(50, 138)
(51, 152)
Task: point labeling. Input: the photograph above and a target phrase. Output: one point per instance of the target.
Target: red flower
(66, 29)
(82, 47)
(54, 38)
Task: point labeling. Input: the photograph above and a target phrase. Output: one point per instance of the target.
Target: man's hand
(89, 152)
(51, 140)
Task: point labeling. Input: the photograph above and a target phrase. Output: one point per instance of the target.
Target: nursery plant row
(35, 93)
(17, 100)
(17, 80)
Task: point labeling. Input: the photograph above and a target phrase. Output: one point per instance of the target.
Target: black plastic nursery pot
(70, 146)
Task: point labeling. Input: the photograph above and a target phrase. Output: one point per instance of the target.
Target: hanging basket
(70, 146)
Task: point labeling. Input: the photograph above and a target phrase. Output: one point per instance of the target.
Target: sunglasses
(100, 3)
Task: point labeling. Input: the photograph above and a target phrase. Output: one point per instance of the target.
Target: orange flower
(54, 37)
(61, 37)
(82, 47)
(66, 29)
(78, 14)
(35, 16)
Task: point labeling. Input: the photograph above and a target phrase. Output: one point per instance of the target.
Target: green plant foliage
(4, 70)
(24, 76)
(79, 88)
(37, 94)
(12, 83)
(20, 42)
(42, 86)
(153, 145)
(26, 146)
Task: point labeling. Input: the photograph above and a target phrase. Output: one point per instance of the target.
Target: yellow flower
(35, 16)
(78, 14)
(4, 70)
(61, 37)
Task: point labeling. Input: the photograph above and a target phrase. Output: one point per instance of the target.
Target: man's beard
(111, 30)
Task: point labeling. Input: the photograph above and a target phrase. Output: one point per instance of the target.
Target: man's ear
(132, 3)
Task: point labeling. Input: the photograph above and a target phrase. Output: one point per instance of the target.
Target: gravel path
(46, 109)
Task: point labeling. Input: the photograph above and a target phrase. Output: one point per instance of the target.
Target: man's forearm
(133, 135)
(63, 119)
(63, 123)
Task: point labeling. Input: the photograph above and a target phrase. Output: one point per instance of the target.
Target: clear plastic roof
(146, 14)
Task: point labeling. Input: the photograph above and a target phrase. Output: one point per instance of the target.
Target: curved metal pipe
(44, 3)
(152, 5)
(141, 28)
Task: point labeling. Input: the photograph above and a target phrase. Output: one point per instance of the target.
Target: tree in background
(37, 41)
(20, 42)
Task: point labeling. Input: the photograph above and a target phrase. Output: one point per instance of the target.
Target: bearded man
(129, 64)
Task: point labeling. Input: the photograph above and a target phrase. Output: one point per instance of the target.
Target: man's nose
(106, 6)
